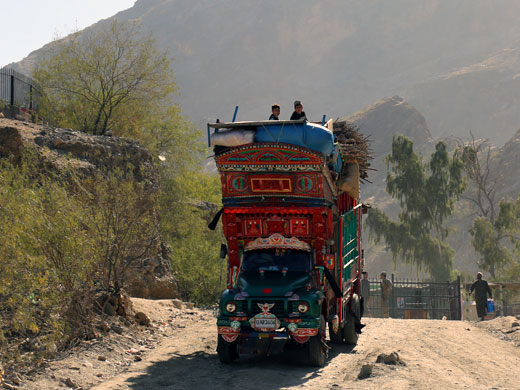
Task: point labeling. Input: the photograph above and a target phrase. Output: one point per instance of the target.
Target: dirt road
(437, 354)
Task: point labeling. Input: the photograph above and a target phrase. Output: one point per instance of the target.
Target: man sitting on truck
(275, 112)
(298, 111)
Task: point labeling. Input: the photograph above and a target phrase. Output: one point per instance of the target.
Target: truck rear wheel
(227, 352)
(315, 348)
(349, 329)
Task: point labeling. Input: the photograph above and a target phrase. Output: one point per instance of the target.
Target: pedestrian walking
(365, 292)
(481, 288)
(386, 288)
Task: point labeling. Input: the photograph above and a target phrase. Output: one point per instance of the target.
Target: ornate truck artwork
(293, 235)
(265, 321)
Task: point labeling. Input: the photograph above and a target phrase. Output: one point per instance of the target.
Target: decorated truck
(291, 219)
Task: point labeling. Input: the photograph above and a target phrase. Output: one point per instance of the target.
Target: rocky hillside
(454, 61)
(506, 165)
(62, 149)
(381, 121)
(482, 98)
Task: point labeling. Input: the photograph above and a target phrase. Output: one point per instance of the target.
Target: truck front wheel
(227, 352)
(316, 348)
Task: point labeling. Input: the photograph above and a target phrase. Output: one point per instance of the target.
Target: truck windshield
(270, 260)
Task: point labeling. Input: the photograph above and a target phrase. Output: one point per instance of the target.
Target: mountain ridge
(335, 56)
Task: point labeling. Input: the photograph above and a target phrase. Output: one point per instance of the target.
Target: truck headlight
(303, 307)
(231, 307)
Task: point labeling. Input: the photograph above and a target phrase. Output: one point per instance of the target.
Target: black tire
(227, 352)
(349, 330)
(335, 337)
(316, 352)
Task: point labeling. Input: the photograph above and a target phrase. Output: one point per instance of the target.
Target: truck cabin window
(277, 260)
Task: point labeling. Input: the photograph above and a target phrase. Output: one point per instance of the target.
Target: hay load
(355, 152)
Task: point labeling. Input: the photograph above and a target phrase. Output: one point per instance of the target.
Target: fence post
(392, 306)
(459, 298)
(11, 98)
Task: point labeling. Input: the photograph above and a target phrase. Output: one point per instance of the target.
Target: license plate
(265, 323)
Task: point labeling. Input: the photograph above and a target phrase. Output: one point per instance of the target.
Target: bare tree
(476, 156)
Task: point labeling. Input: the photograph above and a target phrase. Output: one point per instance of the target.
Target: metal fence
(412, 299)
(18, 90)
(511, 309)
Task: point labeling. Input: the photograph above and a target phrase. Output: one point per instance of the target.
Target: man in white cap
(481, 288)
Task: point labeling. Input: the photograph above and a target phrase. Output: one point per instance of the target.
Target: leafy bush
(63, 241)
(195, 249)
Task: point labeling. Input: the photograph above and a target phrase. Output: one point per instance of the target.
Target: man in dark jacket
(365, 291)
(298, 111)
(275, 112)
(481, 289)
(386, 288)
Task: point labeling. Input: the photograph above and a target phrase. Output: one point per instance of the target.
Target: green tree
(113, 79)
(426, 194)
(498, 243)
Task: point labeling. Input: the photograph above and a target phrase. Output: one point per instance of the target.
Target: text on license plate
(265, 323)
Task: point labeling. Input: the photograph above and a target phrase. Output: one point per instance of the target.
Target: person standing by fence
(365, 292)
(386, 288)
(481, 288)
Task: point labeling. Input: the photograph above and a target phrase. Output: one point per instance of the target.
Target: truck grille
(278, 309)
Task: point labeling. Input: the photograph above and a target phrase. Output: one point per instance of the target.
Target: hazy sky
(27, 25)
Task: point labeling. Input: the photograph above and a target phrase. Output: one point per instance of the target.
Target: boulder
(392, 359)
(142, 319)
(117, 329)
(70, 383)
(151, 278)
(177, 303)
(366, 371)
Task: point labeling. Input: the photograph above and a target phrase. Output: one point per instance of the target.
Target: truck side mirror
(223, 251)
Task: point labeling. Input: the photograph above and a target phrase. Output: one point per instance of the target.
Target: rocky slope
(507, 165)
(381, 121)
(482, 98)
(64, 148)
(447, 58)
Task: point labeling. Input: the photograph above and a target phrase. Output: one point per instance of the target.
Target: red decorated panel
(299, 227)
(269, 184)
(275, 225)
(237, 184)
(306, 185)
(253, 227)
(270, 156)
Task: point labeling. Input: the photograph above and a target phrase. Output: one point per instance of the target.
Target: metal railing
(18, 90)
(412, 299)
